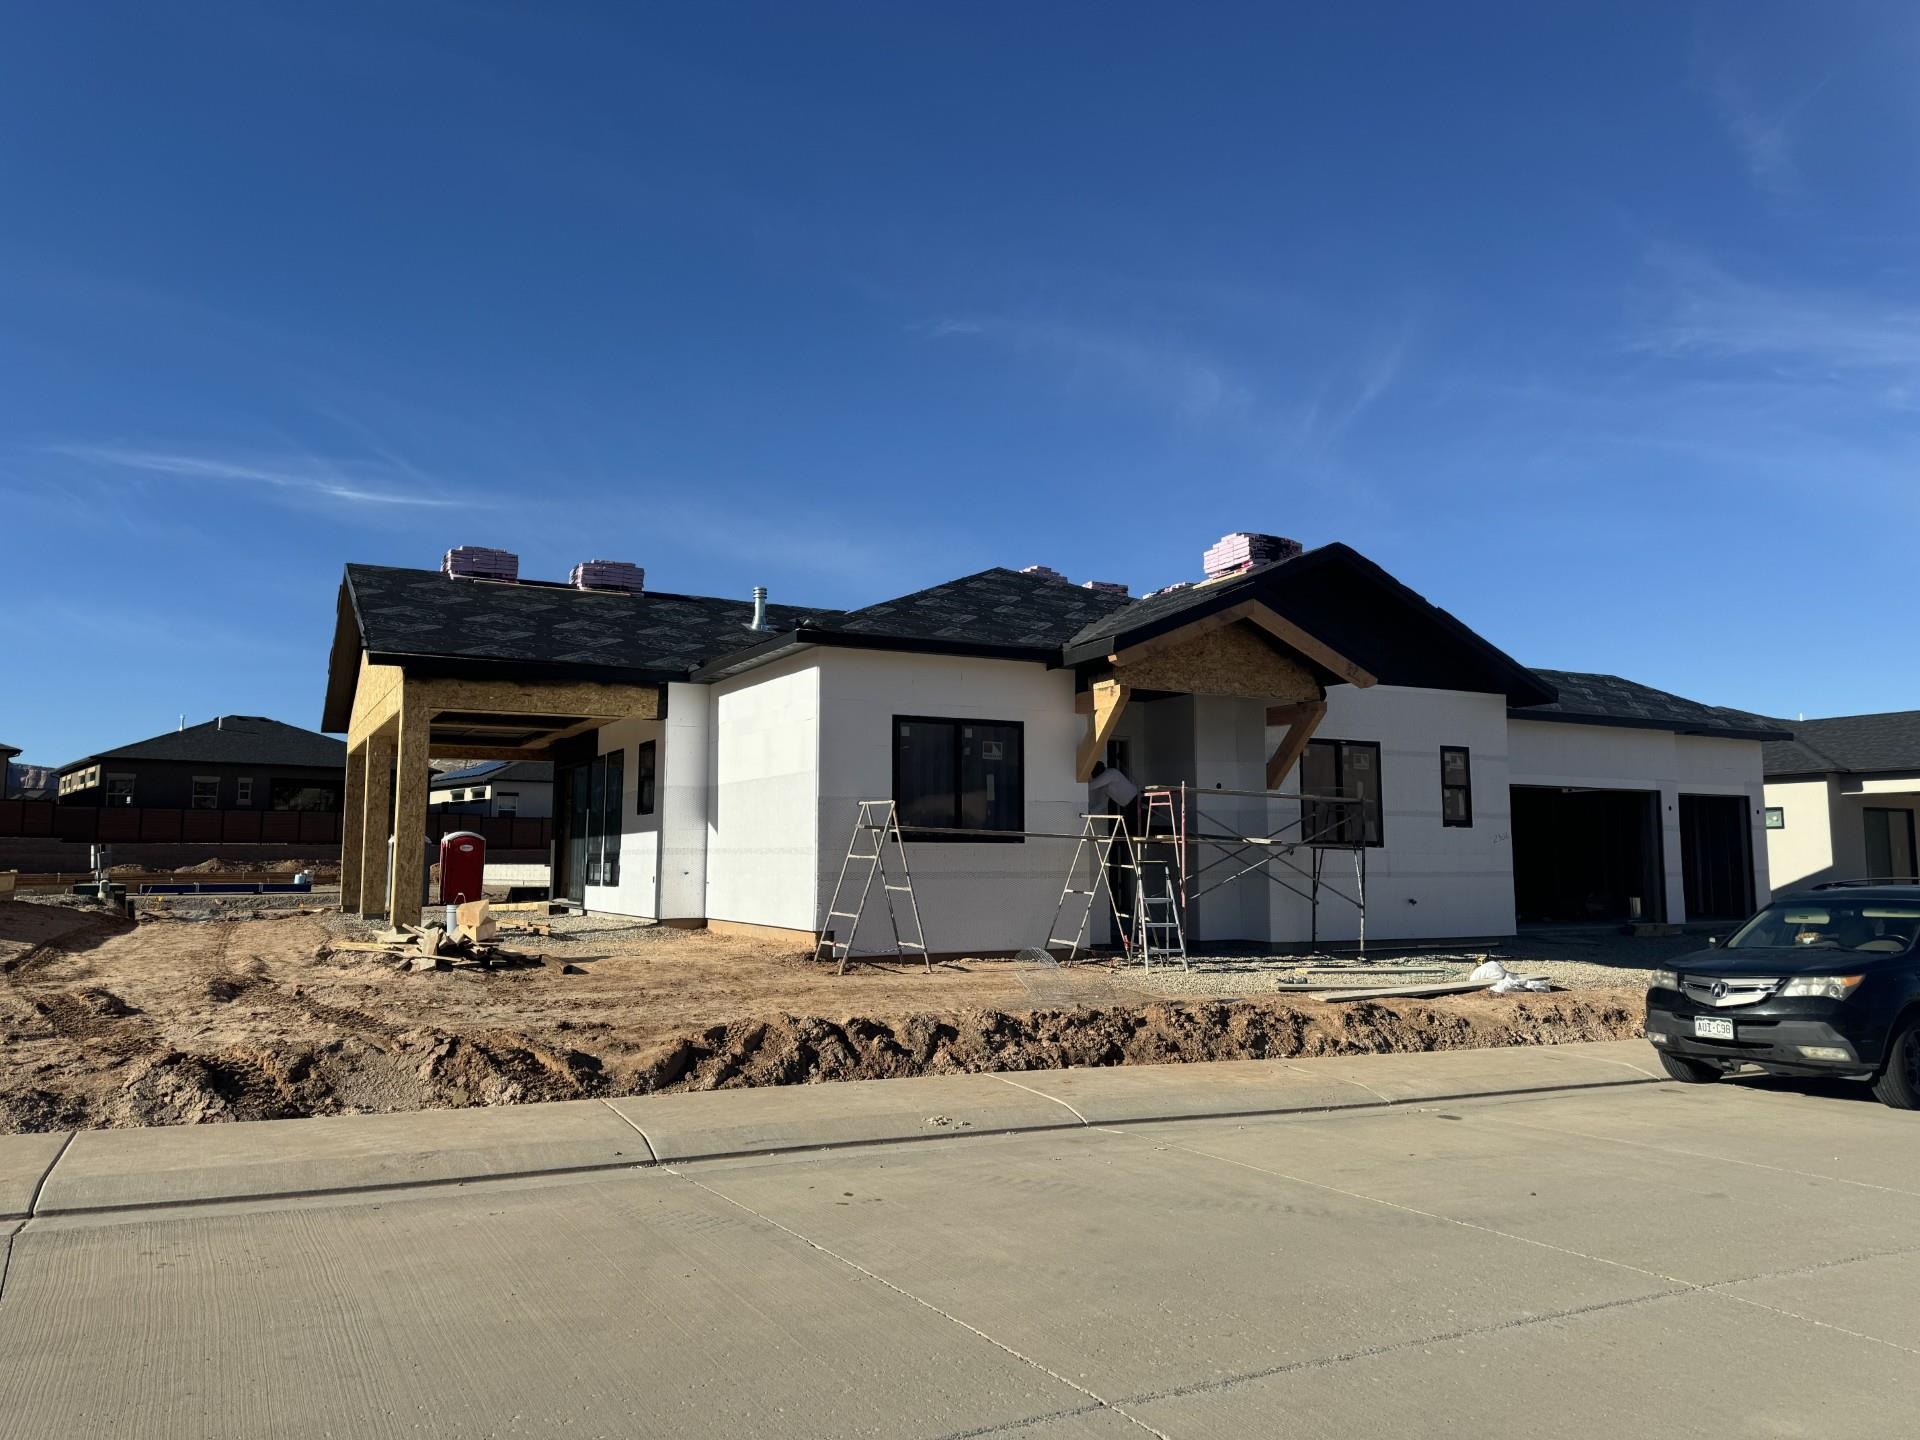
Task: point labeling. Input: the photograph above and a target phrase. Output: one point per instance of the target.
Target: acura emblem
(1719, 989)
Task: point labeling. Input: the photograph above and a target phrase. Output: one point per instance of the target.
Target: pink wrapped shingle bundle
(1242, 550)
(1168, 589)
(1044, 572)
(618, 575)
(1105, 587)
(480, 562)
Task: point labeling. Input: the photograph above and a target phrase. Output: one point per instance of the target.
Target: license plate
(1704, 1029)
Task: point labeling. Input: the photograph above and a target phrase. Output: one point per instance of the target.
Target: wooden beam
(1288, 633)
(1254, 612)
(457, 750)
(1109, 700)
(1301, 721)
(353, 821)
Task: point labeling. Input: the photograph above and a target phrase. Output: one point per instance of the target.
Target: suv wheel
(1899, 1082)
(1690, 1072)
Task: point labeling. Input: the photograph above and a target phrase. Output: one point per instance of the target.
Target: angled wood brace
(1103, 704)
(1301, 721)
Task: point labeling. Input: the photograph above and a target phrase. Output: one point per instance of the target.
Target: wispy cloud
(1824, 334)
(349, 482)
(1765, 135)
(1163, 372)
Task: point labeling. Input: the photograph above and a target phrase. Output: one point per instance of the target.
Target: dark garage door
(1585, 856)
(1716, 856)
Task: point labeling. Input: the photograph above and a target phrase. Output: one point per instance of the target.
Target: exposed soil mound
(103, 1023)
(798, 1050)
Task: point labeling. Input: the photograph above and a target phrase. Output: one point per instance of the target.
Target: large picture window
(966, 775)
(1334, 770)
(302, 795)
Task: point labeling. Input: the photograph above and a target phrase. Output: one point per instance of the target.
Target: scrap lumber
(1416, 992)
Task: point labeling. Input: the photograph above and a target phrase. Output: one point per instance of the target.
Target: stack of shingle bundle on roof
(480, 562)
(1105, 587)
(618, 575)
(1169, 589)
(1242, 551)
(1042, 572)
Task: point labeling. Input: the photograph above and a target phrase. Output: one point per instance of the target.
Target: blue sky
(1597, 324)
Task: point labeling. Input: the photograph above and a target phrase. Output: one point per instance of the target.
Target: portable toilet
(463, 867)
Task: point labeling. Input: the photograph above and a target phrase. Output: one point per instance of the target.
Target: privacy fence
(131, 824)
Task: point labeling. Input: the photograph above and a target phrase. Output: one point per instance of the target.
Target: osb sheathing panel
(511, 697)
(1234, 660)
(376, 699)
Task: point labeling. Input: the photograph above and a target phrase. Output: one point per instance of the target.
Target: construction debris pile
(469, 937)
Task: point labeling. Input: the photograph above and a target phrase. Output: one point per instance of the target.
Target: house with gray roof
(1327, 754)
(1841, 799)
(232, 762)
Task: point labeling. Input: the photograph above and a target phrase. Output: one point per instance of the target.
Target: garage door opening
(1716, 856)
(1586, 856)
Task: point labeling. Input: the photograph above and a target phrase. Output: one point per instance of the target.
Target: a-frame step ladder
(875, 829)
(1102, 836)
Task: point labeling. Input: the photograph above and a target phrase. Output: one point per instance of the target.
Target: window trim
(1466, 756)
(193, 795)
(1340, 781)
(243, 792)
(923, 837)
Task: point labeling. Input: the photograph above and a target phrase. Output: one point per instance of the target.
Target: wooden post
(353, 824)
(410, 776)
(376, 817)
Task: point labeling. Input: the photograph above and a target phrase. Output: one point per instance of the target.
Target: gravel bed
(1588, 960)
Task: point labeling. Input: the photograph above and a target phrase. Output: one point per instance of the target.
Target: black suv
(1826, 982)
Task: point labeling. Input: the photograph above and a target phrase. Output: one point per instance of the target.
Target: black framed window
(606, 785)
(1456, 787)
(959, 775)
(645, 771)
(1341, 770)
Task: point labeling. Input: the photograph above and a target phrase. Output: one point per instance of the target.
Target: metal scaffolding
(1209, 851)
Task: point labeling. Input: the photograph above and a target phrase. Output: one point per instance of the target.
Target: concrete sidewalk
(98, 1171)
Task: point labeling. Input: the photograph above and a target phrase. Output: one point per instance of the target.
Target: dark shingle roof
(1848, 744)
(1346, 602)
(1610, 700)
(994, 607)
(235, 740)
(495, 772)
(423, 613)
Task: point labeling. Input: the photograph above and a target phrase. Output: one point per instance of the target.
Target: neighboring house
(7, 752)
(1841, 798)
(496, 787)
(235, 762)
(709, 772)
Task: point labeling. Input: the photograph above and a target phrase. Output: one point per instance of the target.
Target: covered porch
(404, 716)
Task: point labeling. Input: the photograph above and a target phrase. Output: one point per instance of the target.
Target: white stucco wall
(757, 798)
(1427, 880)
(1607, 757)
(1801, 852)
(973, 896)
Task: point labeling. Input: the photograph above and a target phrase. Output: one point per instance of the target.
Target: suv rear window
(1832, 923)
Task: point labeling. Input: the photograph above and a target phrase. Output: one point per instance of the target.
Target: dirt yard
(175, 1021)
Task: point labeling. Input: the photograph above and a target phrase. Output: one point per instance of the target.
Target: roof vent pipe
(760, 610)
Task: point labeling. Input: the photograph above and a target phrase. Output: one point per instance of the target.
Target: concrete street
(1408, 1245)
